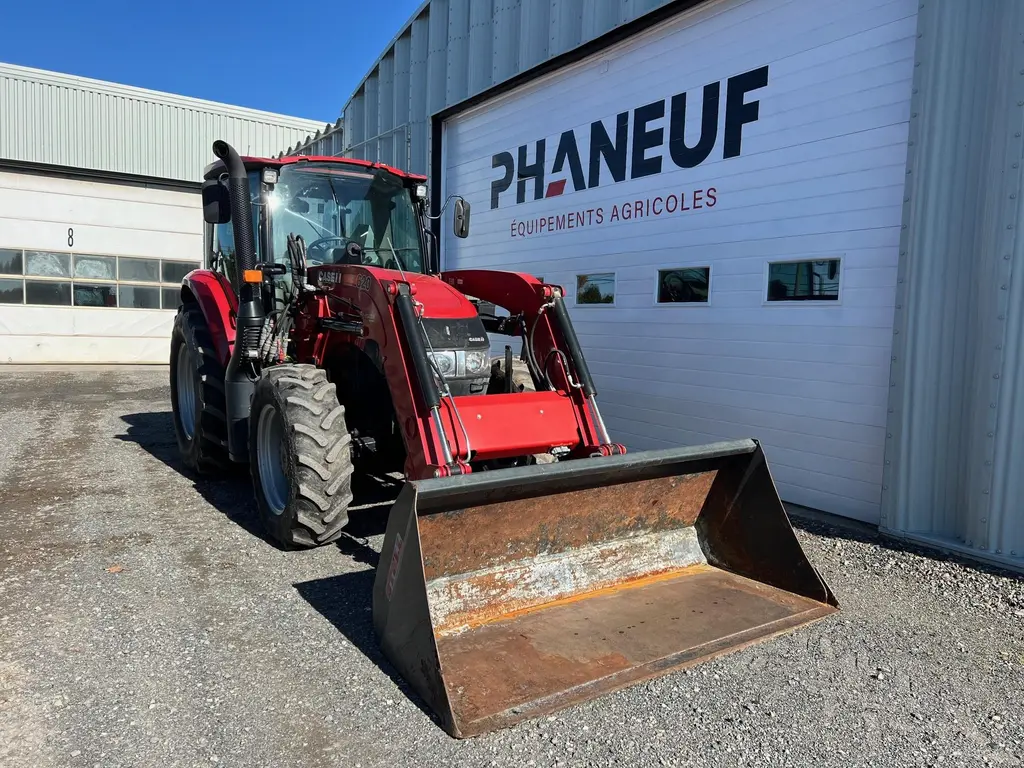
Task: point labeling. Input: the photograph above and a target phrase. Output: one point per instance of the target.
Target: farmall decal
(539, 174)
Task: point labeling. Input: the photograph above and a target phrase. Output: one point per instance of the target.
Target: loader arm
(442, 434)
(549, 340)
(358, 309)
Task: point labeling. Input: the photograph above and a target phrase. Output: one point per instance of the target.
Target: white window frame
(575, 288)
(676, 304)
(159, 285)
(841, 275)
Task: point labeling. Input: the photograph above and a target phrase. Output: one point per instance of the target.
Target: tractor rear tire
(197, 394)
(300, 456)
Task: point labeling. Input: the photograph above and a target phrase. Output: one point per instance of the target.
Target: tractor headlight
(445, 362)
(459, 363)
(476, 361)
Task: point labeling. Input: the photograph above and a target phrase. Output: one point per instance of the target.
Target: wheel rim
(270, 439)
(186, 392)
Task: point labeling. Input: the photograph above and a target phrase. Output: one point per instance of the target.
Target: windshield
(334, 208)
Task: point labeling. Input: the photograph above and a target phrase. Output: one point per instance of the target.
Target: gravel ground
(145, 622)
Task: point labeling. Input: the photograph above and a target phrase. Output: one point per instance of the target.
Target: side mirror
(216, 202)
(461, 224)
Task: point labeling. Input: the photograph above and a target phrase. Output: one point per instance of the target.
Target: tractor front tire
(197, 394)
(300, 456)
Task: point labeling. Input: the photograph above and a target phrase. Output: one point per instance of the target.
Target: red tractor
(322, 338)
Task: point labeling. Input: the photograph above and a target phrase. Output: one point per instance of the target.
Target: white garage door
(91, 271)
(721, 199)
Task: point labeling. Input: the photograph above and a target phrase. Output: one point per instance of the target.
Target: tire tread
(207, 454)
(318, 511)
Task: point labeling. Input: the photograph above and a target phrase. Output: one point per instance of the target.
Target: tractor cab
(346, 211)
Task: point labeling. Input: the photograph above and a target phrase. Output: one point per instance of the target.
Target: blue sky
(296, 58)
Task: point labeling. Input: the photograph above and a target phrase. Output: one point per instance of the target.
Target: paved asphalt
(145, 622)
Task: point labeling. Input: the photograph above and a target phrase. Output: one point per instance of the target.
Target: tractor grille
(463, 333)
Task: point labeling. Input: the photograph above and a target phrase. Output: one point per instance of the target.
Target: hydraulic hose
(575, 352)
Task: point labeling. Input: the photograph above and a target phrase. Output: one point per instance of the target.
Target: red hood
(439, 300)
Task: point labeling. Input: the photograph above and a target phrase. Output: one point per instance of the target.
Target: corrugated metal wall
(52, 118)
(327, 141)
(453, 49)
(954, 461)
(954, 464)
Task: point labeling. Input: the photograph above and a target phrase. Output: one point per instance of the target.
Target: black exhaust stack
(244, 362)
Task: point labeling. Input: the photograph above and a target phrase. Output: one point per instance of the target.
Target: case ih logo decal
(649, 151)
(396, 559)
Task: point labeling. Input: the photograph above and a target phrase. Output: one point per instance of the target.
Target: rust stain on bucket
(477, 537)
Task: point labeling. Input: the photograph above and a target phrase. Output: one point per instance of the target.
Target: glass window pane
(686, 285)
(96, 267)
(143, 270)
(595, 289)
(172, 298)
(803, 280)
(47, 264)
(10, 262)
(48, 293)
(139, 297)
(86, 295)
(12, 292)
(223, 256)
(174, 271)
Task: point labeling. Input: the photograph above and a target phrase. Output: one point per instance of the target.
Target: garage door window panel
(94, 295)
(175, 271)
(47, 264)
(96, 280)
(684, 286)
(12, 292)
(10, 262)
(138, 270)
(171, 298)
(50, 293)
(95, 267)
(804, 280)
(139, 297)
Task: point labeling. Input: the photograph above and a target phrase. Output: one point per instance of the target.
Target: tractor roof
(277, 162)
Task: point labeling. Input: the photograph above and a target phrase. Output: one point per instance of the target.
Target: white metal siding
(821, 175)
(58, 119)
(108, 219)
(955, 459)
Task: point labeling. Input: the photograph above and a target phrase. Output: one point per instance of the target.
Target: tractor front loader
(529, 562)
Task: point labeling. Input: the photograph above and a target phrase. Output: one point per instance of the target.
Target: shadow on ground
(232, 494)
(346, 601)
(831, 527)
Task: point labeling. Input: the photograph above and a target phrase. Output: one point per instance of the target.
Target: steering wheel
(320, 243)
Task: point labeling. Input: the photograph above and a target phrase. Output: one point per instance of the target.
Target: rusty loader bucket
(509, 594)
